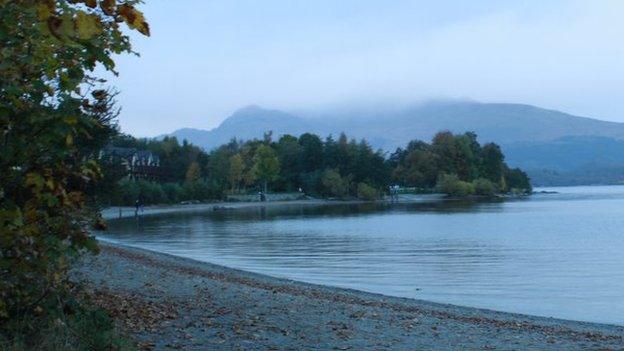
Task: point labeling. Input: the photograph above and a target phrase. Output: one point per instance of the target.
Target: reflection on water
(555, 255)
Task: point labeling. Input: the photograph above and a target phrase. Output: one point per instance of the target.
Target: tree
(450, 184)
(237, 167)
(311, 155)
(193, 172)
(468, 158)
(266, 165)
(334, 184)
(484, 187)
(288, 150)
(517, 180)
(493, 163)
(54, 118)
(218, 166)
(444, 146)
(420, 168)
(367, 192)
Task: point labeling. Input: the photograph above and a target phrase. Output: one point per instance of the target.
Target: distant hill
(537, 139)
(572, 160)
(246, 123)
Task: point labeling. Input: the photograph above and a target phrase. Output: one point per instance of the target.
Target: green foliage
(174, 193)
(288, 150)
(266, 165)
(517, 181)
(419, 166)
(484, 187)
(237, 169)
(193, 173)
(199, 190)
(329, 168)
(367, 192)
(163, 193)
(450, 184)
(175, 158)
(87, 329)
(492, 166)
(53, 120)
(334, 185)
(423, 165)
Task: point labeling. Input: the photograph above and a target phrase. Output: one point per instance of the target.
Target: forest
(342, 168)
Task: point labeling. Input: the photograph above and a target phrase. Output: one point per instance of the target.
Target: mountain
(246, 123)
(572, 160)
(568, 151)
(536, 139)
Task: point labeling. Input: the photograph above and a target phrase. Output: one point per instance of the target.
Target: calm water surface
(559, 255)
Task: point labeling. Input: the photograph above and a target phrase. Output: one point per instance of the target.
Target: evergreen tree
(492, 166)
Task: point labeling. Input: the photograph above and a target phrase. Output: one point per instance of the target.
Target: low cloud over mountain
(539, 140)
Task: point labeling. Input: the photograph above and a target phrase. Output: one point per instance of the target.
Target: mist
(206, 59)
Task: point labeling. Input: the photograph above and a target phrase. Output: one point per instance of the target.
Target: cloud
(563, 55)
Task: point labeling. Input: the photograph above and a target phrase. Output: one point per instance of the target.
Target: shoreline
(483, 325)
(112, 213)
(294, 311)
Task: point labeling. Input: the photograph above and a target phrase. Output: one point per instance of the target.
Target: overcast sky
(206, 58)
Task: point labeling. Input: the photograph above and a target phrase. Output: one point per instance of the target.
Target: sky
(207, 58)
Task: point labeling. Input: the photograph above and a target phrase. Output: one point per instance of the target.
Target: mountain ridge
(503, 123)
(520, 129)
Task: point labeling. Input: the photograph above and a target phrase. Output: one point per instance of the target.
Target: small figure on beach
(137, 205)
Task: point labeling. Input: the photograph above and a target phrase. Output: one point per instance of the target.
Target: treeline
(330, 168)
(457, 165)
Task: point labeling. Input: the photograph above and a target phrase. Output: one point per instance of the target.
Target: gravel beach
(170, 303)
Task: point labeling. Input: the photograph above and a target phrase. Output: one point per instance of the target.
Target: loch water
(555, 255)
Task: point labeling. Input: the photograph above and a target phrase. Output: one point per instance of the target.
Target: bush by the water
(367, 192)
(484, 187)
(127, 191)
(333, 184)
(451, 185)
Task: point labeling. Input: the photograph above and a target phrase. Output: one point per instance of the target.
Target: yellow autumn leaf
(87, 25)
(43, 11)
(134, 18)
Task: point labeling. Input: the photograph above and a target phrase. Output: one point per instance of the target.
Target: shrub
(367, 192)
(83, 329)
(52, 131)
(484, 187)
(451, 185)
(173, 192)
(333, 183)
